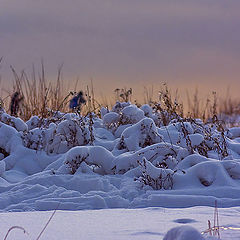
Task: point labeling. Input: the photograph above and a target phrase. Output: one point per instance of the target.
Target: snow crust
(126, 158)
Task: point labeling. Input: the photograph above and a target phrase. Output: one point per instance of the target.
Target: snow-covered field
(126, 159)
(119, 224)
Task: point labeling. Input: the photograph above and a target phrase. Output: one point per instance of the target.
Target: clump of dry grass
(123, 94)
(92, 105)
(225, 109)
(39, 95)
(148, 95)
(42, 97)
(168, 107)
(203, 108)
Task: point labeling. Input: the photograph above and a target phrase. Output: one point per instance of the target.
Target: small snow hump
(183, 233)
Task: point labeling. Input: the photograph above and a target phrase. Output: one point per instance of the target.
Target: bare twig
(49, 220)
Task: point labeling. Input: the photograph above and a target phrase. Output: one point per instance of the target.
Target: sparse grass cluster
(42, 98)
(39, 95)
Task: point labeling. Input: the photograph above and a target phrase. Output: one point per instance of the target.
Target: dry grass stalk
(12, 228)
(148, 95)
(92, 105)
(49, 220)
(214, 231)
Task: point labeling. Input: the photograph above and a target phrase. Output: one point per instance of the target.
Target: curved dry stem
(12, 228)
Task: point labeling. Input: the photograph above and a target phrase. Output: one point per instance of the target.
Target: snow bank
(127, 158)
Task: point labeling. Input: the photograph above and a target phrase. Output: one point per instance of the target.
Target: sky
(129, 43)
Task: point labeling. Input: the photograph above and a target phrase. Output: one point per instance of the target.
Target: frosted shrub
(111, 120)
(97, 158)
(160, 153)
(142, 134)
(15, 122)
(122, 114)
(157, 178)
(119, 106)
(131, 114)
(196, 136)
(75, 132)
(148, 112)
(53, 117)
(33, 139)
(68, 134)
(75, 162)
(167, 108)
(103, 111)
(33, 122)
(59, 138)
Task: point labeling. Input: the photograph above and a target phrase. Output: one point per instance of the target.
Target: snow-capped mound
(183, 233)
(95, 156)
(17, 123)
(110, 118)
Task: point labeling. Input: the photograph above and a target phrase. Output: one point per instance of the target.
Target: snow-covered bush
(157, 178)
(17, 123)
(118, 107)
(98, 159)
(33, 139)
(158, 154)
(196, 137)
(131, 114)
(60, 137)
(103, 111)
(148, 112)
(142, 134)
(111, 119)
(33, 122)
(122, 114)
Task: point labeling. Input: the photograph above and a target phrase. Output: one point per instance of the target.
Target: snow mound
(183, 233)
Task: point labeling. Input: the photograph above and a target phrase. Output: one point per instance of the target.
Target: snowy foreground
(120, 224)
(129, 157)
